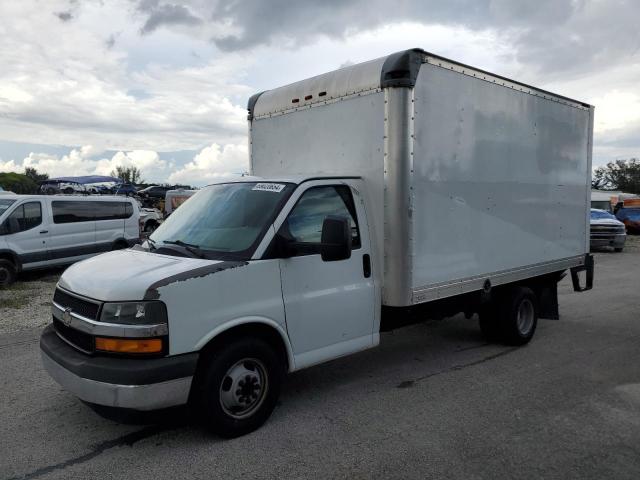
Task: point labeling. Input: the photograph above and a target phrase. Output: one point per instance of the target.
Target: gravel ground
(27, 303)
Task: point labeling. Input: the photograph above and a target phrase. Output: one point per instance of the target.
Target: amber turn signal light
(120, 345)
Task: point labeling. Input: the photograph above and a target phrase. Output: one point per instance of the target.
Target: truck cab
(252, 279)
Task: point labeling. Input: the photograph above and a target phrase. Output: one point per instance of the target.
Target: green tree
(17, 183)
(621, 175)
(128, 174)
(33, 174)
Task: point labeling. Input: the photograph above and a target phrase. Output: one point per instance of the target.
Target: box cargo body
(470, 177)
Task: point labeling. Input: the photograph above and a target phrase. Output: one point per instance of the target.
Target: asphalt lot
(433, 401)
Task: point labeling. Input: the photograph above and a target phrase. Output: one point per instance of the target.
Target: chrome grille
(78, 305)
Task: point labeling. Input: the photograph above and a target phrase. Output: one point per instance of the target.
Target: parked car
(38, 232)
(154, 191)
(606, 230)
(124, 189)
(52, 187)
(631, 219)
(99, 189)
(150, 219)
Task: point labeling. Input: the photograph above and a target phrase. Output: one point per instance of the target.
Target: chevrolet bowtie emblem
(66, 316)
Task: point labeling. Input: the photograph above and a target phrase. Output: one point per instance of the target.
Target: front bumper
(139, 384)
(615, 241)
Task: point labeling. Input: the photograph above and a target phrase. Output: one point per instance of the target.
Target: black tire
(7, 273)
(68, 190)
(518, 315)
(119, 245)
(150, 227)
(617, 249)
(51, 191)
(217, 382)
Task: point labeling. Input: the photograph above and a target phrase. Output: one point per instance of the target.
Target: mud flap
(548, 300)
(586, 267)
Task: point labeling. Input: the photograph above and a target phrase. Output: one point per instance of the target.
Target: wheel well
(258, 330)
(12, 258)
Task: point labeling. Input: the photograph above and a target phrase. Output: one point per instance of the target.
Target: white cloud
(212, 163)
(84, 161)
(88, 87)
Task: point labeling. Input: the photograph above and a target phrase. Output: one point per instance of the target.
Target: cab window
(304, 223)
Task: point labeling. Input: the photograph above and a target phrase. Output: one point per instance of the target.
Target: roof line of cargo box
(485, 72)
(399, 69)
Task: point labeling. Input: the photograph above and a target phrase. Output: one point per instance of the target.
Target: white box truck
(401, 188)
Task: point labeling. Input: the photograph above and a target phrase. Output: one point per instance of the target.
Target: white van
(40, 231)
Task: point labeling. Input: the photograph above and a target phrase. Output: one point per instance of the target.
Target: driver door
(329, 305)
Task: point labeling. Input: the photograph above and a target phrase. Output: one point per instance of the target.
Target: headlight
(134, 313)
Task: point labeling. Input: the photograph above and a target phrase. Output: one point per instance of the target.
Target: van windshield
(5, 204)
(224, 220)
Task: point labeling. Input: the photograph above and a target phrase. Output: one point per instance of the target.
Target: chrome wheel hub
(244, 388)
(526, 315)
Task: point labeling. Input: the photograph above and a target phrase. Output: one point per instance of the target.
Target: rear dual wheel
(511, 317)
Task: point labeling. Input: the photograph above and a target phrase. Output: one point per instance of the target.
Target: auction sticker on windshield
(269, 187)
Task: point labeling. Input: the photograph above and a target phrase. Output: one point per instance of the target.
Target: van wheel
(68, 190)
(618, 249)
(120, 245)
(238, 387)
(518, 315)
(7, 273)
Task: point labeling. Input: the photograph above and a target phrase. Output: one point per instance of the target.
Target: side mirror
(336, 239)
(4, 227)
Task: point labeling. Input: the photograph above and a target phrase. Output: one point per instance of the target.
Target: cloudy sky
(86, 85)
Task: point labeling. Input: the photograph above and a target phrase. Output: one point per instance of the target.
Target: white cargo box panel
(501, 180)
(470, 177)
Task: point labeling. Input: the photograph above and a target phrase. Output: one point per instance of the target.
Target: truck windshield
(5, 204)
(225, 220)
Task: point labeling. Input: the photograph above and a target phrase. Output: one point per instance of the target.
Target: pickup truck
(403, 188)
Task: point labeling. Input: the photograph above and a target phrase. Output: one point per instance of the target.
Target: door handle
(366, 265)
(44, 231)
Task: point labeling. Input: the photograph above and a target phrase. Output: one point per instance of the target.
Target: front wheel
(238, 387)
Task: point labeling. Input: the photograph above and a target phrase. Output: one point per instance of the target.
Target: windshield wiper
(190, 247)
(152, 244)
